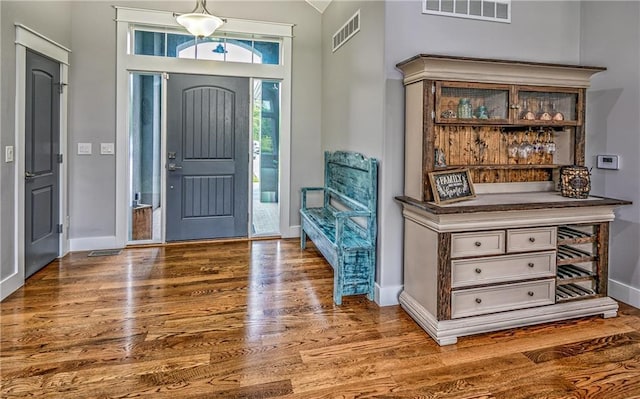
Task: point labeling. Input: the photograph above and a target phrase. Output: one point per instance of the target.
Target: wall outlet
(84, 148)
(8, 153)
(107, 148)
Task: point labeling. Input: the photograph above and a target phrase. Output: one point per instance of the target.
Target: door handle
(172, 167)
(29, 175)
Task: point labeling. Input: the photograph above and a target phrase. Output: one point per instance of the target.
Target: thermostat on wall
(608, 162)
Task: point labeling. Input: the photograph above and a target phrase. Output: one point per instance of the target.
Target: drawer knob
(532, 239)
(530, 293)
(531, 264)
(478, 270)
(478, 243)
(478, 300)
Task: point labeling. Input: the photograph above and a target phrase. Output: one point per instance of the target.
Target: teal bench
(344, 228)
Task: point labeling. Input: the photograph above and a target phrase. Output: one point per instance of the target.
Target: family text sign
(451, 185)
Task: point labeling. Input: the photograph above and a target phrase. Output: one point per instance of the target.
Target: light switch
(84, 148)
(107, 149)
(8, 153)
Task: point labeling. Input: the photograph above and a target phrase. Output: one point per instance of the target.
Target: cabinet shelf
(568, 235)
(573, 291)
(503, 167)
(502, 123)
(569, 273)
(568, 255)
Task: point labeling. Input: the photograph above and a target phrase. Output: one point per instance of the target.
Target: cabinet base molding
(446, 332)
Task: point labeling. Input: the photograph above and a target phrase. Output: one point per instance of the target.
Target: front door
(207, 157)
(42, 141)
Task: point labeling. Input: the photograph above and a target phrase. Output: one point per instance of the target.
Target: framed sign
(451, 186)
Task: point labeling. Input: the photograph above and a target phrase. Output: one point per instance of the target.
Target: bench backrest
(352, 176)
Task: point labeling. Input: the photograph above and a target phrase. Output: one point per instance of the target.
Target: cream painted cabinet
(518, 253)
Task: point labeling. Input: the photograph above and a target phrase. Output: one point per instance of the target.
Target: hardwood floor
(256, 320)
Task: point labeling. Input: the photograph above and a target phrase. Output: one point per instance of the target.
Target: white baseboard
(292, 232)
(387, 296)
(93, 243)
(624, 293)
(10, 284)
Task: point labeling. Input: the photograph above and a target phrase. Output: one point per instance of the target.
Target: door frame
(27, 38)
(126, 63)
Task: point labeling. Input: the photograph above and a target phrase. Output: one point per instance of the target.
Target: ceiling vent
(346, 32)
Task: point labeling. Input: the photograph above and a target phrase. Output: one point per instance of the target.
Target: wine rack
(576, 263)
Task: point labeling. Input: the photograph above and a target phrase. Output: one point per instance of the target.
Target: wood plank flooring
(256, 320)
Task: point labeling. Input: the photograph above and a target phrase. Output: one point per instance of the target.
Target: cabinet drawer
(531, 239)
(477, 243)
(500, 298)
(499, 269)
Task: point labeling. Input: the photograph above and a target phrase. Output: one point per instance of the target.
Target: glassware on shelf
(555, 114)
(538, 144)
(550, 145)
(512, 148)
(482, 112)
(526, 113)
(525, 149)
(465, 110)
(542, 114)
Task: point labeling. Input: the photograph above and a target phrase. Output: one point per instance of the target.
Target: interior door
(207, 157)
(42, 141)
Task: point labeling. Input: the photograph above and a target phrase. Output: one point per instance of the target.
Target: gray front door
(207, 157)
(42, 141)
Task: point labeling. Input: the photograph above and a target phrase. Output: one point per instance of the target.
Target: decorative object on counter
(465, 110)
(440, 158)
(482, 112)
(527, 114)
(451, 186)
(575, 181)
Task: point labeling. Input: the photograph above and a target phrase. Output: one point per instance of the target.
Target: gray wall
(353, 102)
(611, 38)
(52, 19)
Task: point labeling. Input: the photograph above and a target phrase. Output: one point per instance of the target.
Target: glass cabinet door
(472, 103)
(548, 107)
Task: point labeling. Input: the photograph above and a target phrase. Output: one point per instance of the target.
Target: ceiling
(319, 5)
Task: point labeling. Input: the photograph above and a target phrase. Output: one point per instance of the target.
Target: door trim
(27, 38)
(127, 63)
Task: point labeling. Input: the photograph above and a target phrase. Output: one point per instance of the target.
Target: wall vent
(346, 32)
(488, 10)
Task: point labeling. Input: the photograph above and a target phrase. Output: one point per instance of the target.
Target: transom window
(224, 48)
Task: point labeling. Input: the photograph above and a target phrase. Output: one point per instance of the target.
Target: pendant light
(200, 22)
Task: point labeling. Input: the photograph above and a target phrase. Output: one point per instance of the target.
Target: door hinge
(59, 158)
(165, 75)
(433, 89)
(433, 115)
(59, 228)
(61, 86)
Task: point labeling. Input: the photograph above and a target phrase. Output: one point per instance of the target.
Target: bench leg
(372, 274)
(338, 281)
(303, 239)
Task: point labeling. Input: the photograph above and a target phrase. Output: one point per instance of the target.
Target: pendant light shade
(200, 22)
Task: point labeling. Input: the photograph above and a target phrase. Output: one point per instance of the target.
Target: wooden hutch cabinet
(518, 253)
